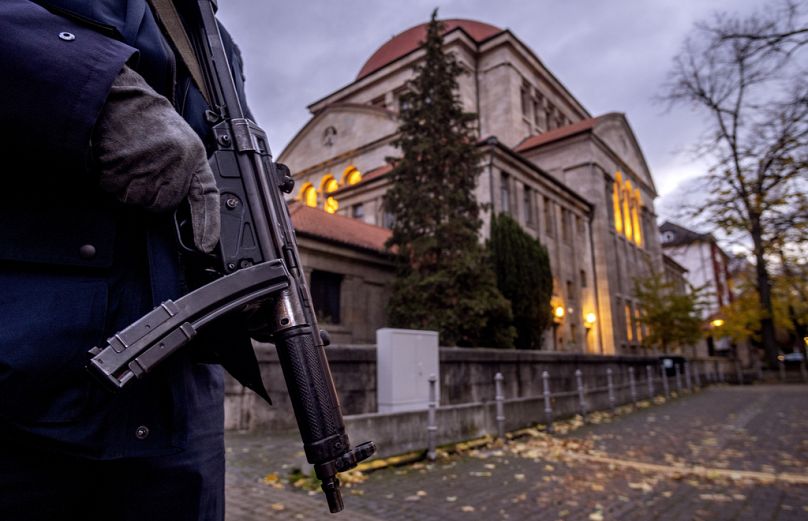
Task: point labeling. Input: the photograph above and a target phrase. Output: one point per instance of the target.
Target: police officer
(103, 135)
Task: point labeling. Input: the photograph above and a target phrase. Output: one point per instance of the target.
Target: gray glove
(150, 157)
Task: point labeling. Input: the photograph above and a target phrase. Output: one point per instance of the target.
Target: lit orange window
(618, 215)
(308, 195)
(327, 186)
(629, 324)
(635, 214)
(627, 211)
(351, 176)
(640, 326)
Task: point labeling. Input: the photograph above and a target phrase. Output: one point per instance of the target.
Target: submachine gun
(258, 267)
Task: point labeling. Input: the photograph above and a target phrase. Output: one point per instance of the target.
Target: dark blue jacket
(75, 266)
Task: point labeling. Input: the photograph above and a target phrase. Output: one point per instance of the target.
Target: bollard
(664, 375)
(688, 383)
(610, 387)
(738, 372)
(782, 365)
(678, 378)
(548, 407)
(649, 378)
(500, 399)
(581, 399)
(431, 423)
(632, 385)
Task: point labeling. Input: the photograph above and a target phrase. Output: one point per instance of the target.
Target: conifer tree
(522, 267)
(444, 281)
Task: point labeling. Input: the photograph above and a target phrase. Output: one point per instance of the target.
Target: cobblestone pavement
(726, 453)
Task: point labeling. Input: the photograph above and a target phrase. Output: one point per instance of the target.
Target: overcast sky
(612, 55)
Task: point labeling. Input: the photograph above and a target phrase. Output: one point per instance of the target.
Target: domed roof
(409, 40)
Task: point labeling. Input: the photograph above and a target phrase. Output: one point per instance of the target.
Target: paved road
(727, 453)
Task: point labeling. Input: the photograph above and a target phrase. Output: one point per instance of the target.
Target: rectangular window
(505, 193)
(640, 325)
(549, 116)
(379, 102)
(358, 211)
(629, 323)
(404, 103)
(579, 225)
(566, 234)
(583, 278)
(570, 290)
(548, 216)
(325, 295)
(526, 104)
(527, 205)
(538, 112)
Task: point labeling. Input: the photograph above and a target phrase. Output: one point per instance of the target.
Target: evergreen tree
(522, 267)
(444, 281)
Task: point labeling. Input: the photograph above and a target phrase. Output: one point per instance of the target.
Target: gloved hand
(150, 157)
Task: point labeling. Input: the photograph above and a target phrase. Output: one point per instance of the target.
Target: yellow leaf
(467, 508)
(277, 506)
(596, 516)
(597, 488)
(451, 499)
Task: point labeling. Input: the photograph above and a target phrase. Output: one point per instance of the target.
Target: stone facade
(578, 183)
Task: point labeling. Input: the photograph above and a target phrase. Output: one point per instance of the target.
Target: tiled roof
(409, 40)
(338, 228)
(556, 134)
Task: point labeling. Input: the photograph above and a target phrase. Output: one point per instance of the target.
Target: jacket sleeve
(55, 78)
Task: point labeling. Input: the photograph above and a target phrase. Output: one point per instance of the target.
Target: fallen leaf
(596, 516)
(451, 499)
(278, 506)
(645, 487)
(467, 508)
(421, 493)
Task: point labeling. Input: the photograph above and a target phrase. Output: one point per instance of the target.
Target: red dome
(409, 40)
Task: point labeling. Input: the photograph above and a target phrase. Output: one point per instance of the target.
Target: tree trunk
(764, 295)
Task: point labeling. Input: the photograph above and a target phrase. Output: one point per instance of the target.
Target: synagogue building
(575, 181)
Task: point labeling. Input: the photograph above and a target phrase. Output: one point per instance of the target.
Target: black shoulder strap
(171, 23)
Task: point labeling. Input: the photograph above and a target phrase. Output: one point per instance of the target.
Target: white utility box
(405, 359)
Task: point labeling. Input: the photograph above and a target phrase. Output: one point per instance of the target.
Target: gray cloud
(613, 56)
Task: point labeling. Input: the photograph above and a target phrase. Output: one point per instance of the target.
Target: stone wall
(467, 388)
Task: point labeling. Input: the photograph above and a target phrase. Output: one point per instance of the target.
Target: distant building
(708, 266)
(578, 183)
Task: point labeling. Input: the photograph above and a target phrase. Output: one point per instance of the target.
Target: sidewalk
(681, 461)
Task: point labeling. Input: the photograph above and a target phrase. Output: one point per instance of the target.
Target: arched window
(627, 211)
(618, 215)
(351, 176)
(635, 214)
(327, 186)
(308, 195)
